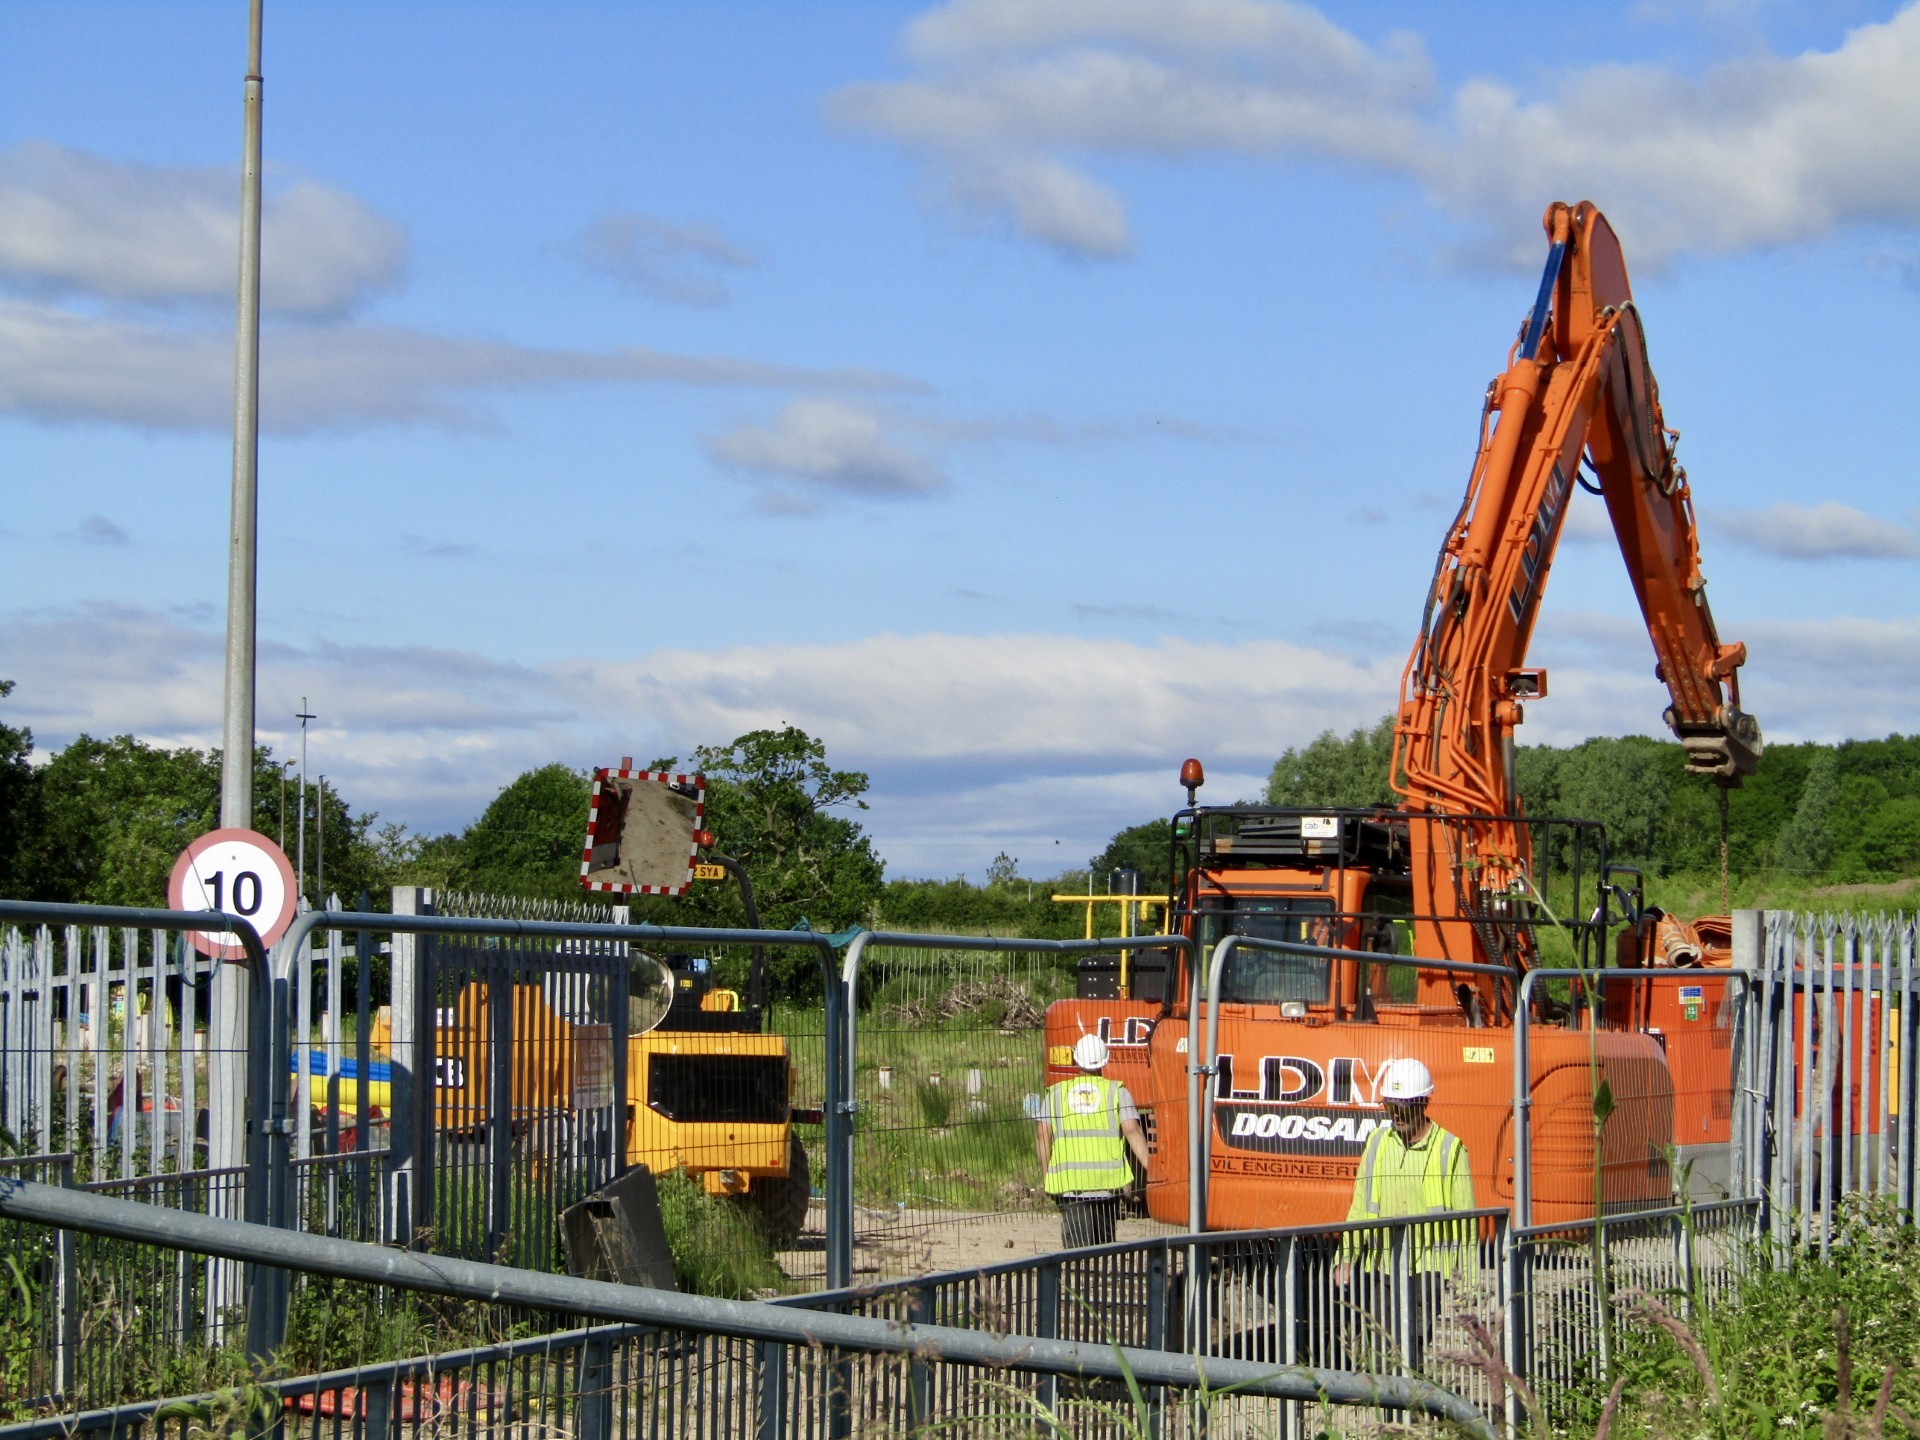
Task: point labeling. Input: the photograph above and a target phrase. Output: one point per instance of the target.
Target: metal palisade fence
(1833, 1022)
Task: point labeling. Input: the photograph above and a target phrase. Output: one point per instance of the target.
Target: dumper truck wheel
(782, 1203)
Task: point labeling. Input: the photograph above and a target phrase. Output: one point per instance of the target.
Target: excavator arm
(1577, 387)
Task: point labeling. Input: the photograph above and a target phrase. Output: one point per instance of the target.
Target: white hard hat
(1406, 1080)
(1090, 1052)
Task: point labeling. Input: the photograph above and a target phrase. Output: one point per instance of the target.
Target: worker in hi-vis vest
(1087, 1126)
(1410, 1166)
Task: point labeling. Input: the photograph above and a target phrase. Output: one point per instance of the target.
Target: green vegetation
(1810, 1347)
(1332, 771)
(718, 1246)
(1843, 814)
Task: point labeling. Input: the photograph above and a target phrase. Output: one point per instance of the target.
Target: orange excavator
(1458, 874)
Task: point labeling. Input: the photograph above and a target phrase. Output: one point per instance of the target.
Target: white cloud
(681, 263)
(953, 727)
(118, 230)
(58, 364)
(1827, 531)
(1011, 100)
(94, 247)
(820, 446)
(976, 743)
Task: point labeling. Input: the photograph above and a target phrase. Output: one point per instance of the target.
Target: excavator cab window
(1264, 977)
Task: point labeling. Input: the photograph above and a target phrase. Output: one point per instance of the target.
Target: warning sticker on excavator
(1059, 1055)
(1477, 1054)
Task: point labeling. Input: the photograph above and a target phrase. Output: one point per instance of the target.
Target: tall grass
(1806, 1347)
(718, 1246)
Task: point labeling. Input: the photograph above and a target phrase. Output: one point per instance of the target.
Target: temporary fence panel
(1564, 1312)
(680, 1365)
(949, 1082)
(342, 1084)
(529, 1057)
(525, 1116)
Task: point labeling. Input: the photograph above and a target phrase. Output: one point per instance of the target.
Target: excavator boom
(1577, 388)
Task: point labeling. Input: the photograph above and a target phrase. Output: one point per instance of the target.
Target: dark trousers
(1087, 1220)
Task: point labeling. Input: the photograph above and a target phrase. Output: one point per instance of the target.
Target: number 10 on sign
(237, 872)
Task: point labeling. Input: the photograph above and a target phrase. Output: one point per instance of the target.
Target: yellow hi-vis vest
(1089, 1153)
(1387, 1187)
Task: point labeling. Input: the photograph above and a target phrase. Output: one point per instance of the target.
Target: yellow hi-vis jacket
(1425, 1178)
(1089, 1153)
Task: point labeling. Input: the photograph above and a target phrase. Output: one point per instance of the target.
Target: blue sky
(1021, 396)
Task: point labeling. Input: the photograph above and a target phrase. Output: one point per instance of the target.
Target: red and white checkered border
(659, 777)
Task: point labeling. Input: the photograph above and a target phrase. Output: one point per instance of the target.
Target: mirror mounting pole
(757, 977)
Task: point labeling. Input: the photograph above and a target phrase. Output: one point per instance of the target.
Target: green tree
(770, 802)
(1536, 774)
(114, 814)
(19, 805)
(527, 842)
(1335, 772)
(954, 907)
(1889, 837)
(1623, 783)
(1805, 845)
(771, 798)
(1003, 869)
(1144, 848)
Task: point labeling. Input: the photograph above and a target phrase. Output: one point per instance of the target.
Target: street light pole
(228, 1043)
(236, 745)
(300, 821)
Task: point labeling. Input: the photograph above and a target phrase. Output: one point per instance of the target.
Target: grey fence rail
(812, 1371)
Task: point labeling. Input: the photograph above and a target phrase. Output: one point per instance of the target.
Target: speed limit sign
(237, 872)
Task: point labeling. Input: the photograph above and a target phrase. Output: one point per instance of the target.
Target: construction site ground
(892, 1244)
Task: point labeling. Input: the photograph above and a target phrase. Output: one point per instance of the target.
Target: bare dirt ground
(897, 1243)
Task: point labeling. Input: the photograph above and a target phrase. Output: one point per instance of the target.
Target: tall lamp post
(236, 751)
(228, 1044)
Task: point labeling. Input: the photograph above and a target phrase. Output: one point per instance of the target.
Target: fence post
(1781, 950)
(622, 988)
(66, 1332)
(840, 1126)
(919, 1377)
(1046, 1325)
(1683, 1259)
(1405, 1289)
(376, 1405)
(232, 1004)
(500, 1098)
(269, 1160)
(593, 1397)
(773, 1358)
(1746, 1139)
(1515, 1300)
(363, 952)
(1290, 1317)
(1156, 1330)
(1909, 1079)
(401, 1214)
